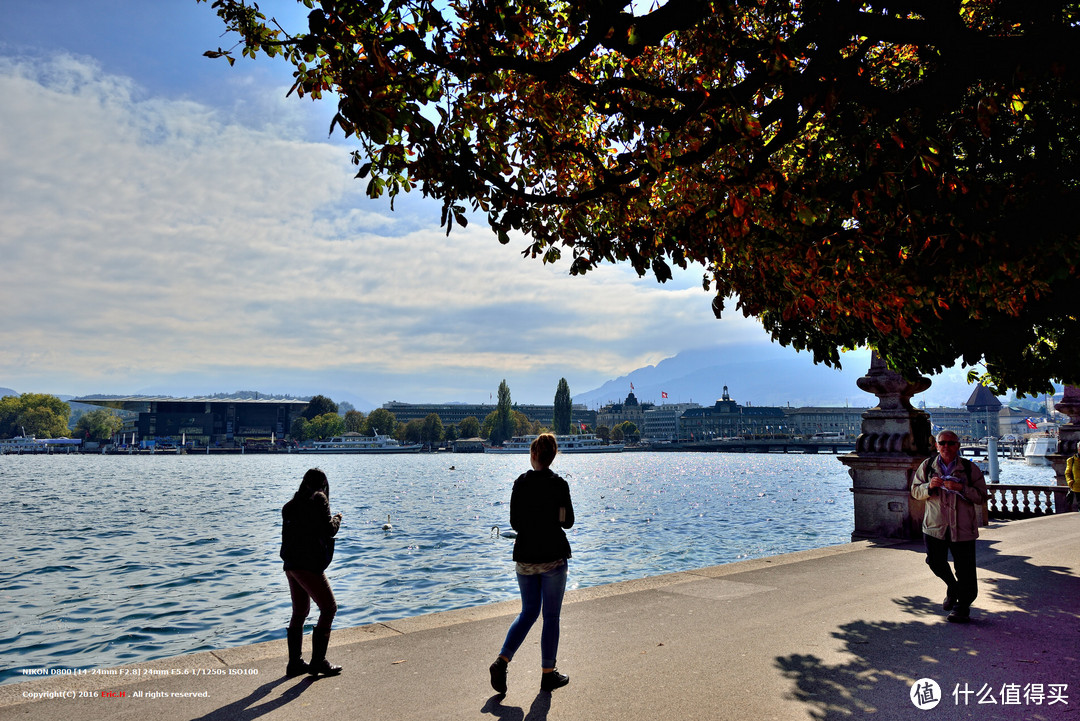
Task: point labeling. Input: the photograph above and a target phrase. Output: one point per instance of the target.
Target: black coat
(534, 513)
(307, 533)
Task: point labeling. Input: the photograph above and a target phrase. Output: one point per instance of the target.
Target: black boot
(319, 665)
(498, 675)
(295, 638)
(551, 680)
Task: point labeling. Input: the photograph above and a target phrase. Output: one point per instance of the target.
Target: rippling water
(116, 559)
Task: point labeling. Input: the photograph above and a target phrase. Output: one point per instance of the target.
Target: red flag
(663, 394)
(1030, 424)
(631, 386)
(583, 426)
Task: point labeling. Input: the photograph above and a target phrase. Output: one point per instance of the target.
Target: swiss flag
(1030, 424)
(663, 394)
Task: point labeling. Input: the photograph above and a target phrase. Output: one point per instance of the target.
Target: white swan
(505, 534)
(387, 526)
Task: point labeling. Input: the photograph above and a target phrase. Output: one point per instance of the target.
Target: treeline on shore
(47, 416)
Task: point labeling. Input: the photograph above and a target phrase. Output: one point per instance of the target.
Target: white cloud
(146, 238)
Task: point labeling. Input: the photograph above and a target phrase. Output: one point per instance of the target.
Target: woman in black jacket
(540, 509)
(307, 546)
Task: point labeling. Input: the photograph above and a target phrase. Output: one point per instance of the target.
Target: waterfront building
(662, 423)
(1013, 421)
(951, 419)
(454, 413)
(728, 419)
(630, 409)
(204, 421)
(813, 420)
(984, 408)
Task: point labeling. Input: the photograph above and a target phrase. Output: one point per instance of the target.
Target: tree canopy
(563, 407)
(354, 420)
(432, 431)
(380, 422)
(898, 174)
(504, 419)
(469, 427)
(99, 425)
(317, 406)
(33, 414)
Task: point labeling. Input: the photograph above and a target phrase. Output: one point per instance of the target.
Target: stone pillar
(1068, 436)
(895, 439)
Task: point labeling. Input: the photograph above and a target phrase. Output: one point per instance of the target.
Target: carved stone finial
(894, 392)
(895, 439)
(1070, 404)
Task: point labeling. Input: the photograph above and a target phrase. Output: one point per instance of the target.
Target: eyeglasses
(948, 443)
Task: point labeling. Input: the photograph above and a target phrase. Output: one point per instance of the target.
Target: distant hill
(761, 376)
(8, 392)
(335, 395)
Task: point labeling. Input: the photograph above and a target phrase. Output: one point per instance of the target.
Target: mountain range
(760, 375)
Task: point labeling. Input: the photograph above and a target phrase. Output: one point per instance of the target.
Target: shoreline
(843, 631)
(67, 679)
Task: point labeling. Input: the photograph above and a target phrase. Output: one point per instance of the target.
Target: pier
(834, 633)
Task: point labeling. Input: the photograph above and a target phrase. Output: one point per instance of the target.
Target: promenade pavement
(836, 633)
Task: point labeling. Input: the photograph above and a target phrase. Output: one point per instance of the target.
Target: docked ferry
(1038, 448)
(30, 444)
(582, 443)
(356, 443)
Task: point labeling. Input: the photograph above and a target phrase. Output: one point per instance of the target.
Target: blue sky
(171, 224)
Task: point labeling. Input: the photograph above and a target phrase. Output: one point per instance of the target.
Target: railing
(1014, 501)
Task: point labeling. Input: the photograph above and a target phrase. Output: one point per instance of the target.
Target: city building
(1013, 421)
(727, 419)
(454, 413)
(957, 420)
(204, 421)
(815, 420)
(984, 408)
(663, 422)
(630, 409)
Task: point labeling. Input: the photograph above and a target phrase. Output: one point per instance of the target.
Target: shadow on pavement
(1013, 664)
(541, 705)
(246, 708)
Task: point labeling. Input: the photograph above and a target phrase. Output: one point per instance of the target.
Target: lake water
(116, 559)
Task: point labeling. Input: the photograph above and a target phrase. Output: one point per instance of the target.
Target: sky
(171, 224)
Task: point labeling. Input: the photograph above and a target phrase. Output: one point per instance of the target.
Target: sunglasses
(948, 443)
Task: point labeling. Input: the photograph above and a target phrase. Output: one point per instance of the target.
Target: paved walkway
(836, 633)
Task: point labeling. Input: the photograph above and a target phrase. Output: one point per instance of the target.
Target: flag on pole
(663, 394)
(583, 427)
(631, 386)
(1030, 424)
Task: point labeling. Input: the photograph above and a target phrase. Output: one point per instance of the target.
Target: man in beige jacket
(953, 489)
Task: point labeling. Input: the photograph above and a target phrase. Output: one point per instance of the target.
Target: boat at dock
(29, 444)
(356, 443)
(580, 443)
(1038, 448)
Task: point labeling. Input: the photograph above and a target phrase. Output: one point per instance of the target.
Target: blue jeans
(539, 592)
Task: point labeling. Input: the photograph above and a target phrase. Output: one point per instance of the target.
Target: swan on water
(505, 534)
(386, 526)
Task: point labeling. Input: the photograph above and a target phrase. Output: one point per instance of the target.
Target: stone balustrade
(1014, 500)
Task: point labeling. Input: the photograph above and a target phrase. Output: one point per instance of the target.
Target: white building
(662, 422)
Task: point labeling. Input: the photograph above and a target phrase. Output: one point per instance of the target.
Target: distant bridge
(773, 445)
